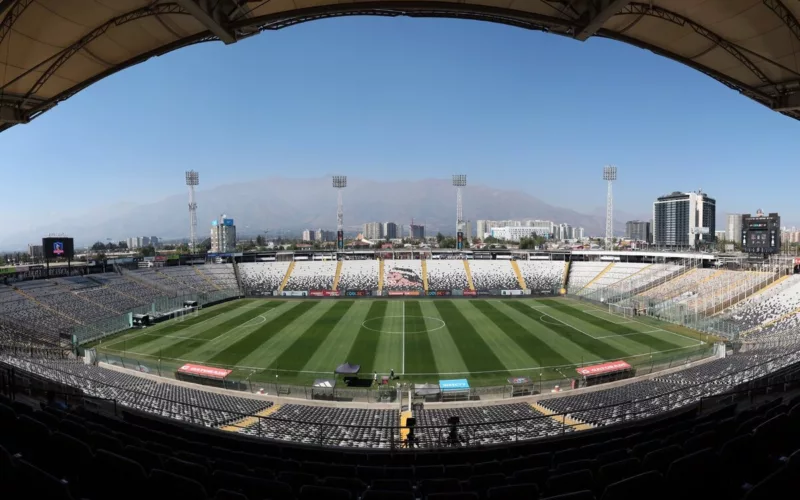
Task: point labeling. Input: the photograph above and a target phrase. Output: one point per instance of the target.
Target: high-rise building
(684, 219)
(223, 235)
(578, 233)
(416, 231)
(468, 231)
(390, 230)
(322, 235)
(564, 232)
(35, 251)
(637, 230)
(733, 229)
(154, 241)
(373, 231)
(309, 235)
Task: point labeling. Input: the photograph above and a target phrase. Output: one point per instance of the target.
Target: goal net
(184, 314)
(625, 311)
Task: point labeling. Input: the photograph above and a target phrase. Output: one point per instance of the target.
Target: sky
(399, 98)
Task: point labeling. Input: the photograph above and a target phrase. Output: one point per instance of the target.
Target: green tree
(98, 245)
(147, 251)
(260, 240)
(439, 238)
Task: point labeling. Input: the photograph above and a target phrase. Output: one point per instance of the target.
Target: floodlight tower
(609, 175)
(192, 180)
(339, 183)
(459, 181)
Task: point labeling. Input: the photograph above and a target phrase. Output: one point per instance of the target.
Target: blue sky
(405, 98)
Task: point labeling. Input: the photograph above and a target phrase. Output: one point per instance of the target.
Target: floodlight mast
(192, 180)
(459, 181)
(610, 175)
(339, 183)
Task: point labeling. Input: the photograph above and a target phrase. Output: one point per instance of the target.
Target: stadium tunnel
(51, 49)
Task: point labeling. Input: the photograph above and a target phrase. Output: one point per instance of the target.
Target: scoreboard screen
(761, 233)
(58, 248)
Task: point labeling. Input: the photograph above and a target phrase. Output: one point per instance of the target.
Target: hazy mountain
(295, 204)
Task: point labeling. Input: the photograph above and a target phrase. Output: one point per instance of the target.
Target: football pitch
(485, 341)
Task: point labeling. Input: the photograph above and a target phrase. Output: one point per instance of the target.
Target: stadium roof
(51, 49)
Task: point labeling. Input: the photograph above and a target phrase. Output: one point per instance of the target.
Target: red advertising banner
(403, 292)
(470, 293)
(204, 371)
(613, 366)
(323, 293)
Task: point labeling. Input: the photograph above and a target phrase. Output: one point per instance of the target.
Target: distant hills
(296, 204)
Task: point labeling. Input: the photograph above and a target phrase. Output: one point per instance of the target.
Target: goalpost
(184, 314)
(625, 311)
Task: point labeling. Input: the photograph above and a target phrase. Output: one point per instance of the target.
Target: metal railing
(778, 370)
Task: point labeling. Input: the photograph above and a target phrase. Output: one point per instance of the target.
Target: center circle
(439, 326)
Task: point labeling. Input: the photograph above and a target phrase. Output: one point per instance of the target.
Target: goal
(625, 311)
(184, 314)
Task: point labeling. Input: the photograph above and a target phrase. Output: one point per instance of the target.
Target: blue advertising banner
(460, 384)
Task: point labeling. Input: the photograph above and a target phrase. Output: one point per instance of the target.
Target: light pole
(339, 183)
(459, 181)
(609, 175)
(192, 180)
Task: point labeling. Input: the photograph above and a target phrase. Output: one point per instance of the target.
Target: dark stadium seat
(454, 496)
(441, 485)
(695, 474)
(617, 471)
(391, 485)
(514, 492)
(387, 495)
(118, 477)
(308, 492)
(646, 485)
(171, 485)
(229, 495)
(660, 459)
(578, 495)
(355, 486)
(570, 482)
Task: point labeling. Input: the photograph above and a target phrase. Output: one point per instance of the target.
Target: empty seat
(646, 485)
(310, 492)
(514, 492)
(660, 459)
(391, 485)
(570, 482)
(443, 485)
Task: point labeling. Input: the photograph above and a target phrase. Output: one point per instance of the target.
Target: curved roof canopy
(51, 49)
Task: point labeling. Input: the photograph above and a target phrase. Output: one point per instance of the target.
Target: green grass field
(485, 341)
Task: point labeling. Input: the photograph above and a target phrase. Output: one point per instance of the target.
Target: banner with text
(439, 293)
(469, 293)
(294, 293)
(512, 292)
(323, 293)
(357, 293)
(394, 293)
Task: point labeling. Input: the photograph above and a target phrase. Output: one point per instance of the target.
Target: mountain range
(295, 204)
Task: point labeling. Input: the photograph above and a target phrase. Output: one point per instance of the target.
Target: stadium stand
(345, 427)
(402, 275)
(617, 272)
(221, 275)
(738, 450)
(682, 284)
(648, 278)
(312, 276)
(447, 275)
(359, 275)
(503, 424)
(582, 273)
(260, 277)
(541, 275)
(493, 275)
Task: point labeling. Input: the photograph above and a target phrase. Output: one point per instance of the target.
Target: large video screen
(58, 248)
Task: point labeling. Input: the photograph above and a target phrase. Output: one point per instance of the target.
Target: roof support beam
(599, 11)
(210, 17)
(789, 102)
(785, 14)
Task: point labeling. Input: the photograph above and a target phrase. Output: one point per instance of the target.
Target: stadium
(381, 374)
